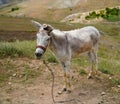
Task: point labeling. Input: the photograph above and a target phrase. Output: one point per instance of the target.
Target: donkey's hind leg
(94, 63)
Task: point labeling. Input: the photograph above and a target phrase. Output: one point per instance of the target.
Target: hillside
(56, 9)
(25, 80)
(2, 2)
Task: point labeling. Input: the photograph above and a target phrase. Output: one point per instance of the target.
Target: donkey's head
(43, 38)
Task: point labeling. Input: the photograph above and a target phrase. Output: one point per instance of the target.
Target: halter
(42, 47)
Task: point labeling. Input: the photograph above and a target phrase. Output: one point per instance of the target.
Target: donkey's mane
(58, 33)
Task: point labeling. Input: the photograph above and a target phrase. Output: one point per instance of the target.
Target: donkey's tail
(102, 33)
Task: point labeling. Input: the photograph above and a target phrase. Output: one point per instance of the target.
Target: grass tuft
(82, 72)
(9, 50)
(16, 49)
(105, 71)
(115, 81)
(51, 59)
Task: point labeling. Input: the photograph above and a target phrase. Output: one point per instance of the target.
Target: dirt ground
(37, 89)
(16, 35)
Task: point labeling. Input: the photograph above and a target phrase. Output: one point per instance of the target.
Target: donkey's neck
(58, 43)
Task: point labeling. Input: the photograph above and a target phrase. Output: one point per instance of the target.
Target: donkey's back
(84, 32)
(84, 39)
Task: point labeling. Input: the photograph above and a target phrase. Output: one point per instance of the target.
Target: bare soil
(36, 88)
(16, 35)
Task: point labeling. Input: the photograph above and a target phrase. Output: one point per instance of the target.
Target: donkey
(64, 44)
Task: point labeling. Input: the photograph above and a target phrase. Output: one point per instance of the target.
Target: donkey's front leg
(67, 85)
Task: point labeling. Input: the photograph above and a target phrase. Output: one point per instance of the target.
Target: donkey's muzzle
(38, 55)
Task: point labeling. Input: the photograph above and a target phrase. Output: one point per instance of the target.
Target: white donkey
(64, 43)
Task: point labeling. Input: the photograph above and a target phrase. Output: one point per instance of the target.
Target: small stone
(103, 93)
(9, 83)
(20, 76)
(118, 86)
(110, 77)
(14, 74)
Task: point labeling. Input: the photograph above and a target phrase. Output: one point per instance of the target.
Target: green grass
(17, 49)
(50, 57)
(80, 61)
(82, 72)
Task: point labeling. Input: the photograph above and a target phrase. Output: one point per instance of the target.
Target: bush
(14, 9)
(92, 15)
(108, 14)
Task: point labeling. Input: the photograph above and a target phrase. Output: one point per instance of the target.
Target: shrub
(92, 15)
(87, 17)
(14, 9)
(111, 14)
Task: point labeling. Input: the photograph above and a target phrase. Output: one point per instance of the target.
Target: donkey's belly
(82, 48)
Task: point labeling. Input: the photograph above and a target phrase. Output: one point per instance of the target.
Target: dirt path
(37, 90)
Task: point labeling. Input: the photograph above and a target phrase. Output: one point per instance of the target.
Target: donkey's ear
(47, 27)
(36, 24)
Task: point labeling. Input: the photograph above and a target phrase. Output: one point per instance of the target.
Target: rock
(118, 86)
(110, 77)
(20, 76)
(103, 93)
(9, 83)
(14, 74)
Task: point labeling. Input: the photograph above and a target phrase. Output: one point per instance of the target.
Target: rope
(52, 87)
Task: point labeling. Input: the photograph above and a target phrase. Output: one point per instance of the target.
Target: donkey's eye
(47, 39)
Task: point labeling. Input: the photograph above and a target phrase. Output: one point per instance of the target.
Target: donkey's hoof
(89, 77)
(68, 91)
(61, 91)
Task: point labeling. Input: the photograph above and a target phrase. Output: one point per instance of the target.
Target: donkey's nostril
(38, 54)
